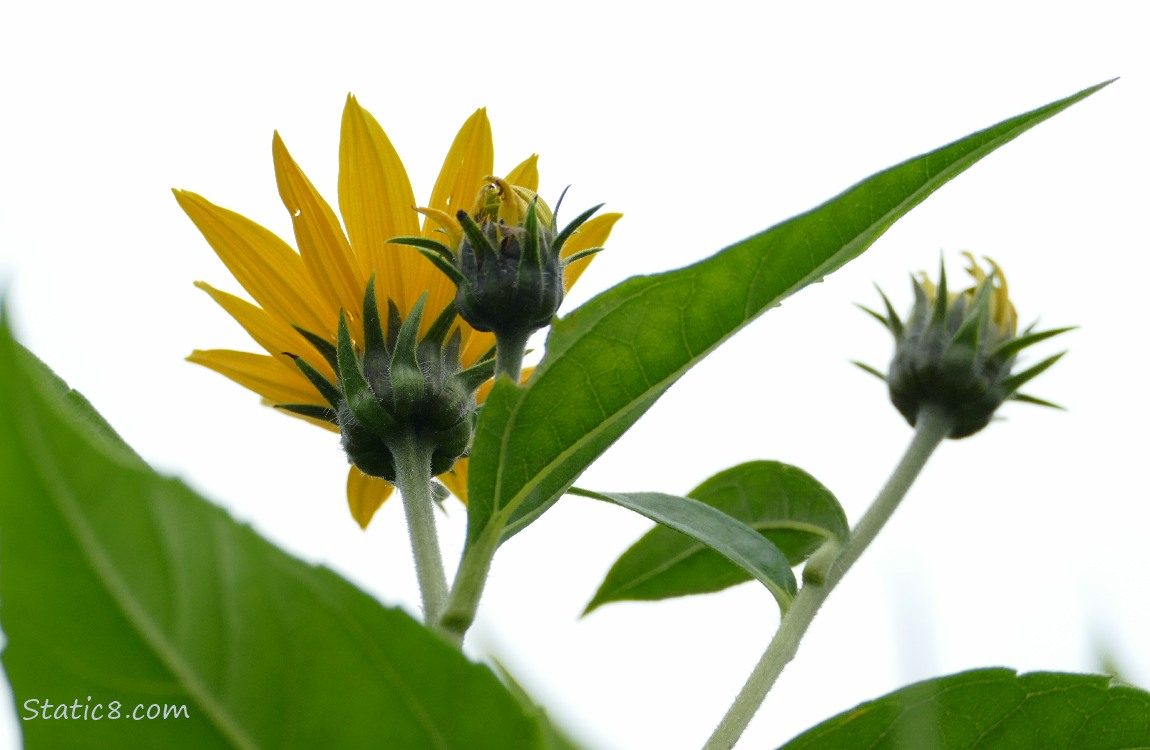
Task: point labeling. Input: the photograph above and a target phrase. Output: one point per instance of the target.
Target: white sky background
(1023, 546)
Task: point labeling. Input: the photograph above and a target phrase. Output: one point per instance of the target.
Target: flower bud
(956, 351)
(505, 258)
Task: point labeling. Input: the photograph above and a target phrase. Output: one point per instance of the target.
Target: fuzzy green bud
(956, 351)
(513, 282)
(505, 257)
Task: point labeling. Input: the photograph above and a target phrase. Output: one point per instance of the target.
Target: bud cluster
(956, 351)
(396, 386)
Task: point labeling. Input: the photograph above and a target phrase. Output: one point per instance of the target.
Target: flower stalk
(509, 353)
(822, 575)
(413, 478)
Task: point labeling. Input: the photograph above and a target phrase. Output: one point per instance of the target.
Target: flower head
(957, 350)
(303, 299)
(507, 258)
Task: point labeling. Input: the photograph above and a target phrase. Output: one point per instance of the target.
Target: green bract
(396, 386)
(957, 351)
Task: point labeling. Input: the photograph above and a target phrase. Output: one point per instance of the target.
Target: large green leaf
(715, 530)
(121, 585)
(783, 503)
(992, 709)
(609, 361)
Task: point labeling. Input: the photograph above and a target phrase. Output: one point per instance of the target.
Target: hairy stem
(413, 477)
(509, 350)
(932, 428)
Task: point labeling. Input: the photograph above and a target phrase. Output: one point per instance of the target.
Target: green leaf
(785, 504)
(611, 359)
(121, 585)
(734, 540)
(993, 709)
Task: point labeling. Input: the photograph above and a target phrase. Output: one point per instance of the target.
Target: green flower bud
(396, 386)
(956, 351)
(505, 259)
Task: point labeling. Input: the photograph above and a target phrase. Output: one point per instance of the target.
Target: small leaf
(735, 541)
(785, 504)
(992, 709)
(119, 585)
(611, 359)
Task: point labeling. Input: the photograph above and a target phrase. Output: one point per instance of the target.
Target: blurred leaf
(553, 737)
(785, 504)
(611, 359)
(992, 709)
(121, 585)
(737, 542)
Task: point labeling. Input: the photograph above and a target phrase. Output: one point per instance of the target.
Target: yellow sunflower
(329, 273)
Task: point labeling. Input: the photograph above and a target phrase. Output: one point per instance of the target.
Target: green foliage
(783, 503)
(992, 709)
(610, 360)
(121, 585)
(123, 591)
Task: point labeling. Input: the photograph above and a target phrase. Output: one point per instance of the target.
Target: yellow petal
(377, 204)
(274, 336)
(365, 495)
(325, 251)
(526, 174)
(260, 373)
(593, 233)
(469, 159)
(445, 228)
(264, 265)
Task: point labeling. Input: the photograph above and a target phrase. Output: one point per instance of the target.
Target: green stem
(463, 600)
(413, 477)
(509, 349)
(462, 604)
(932, 428)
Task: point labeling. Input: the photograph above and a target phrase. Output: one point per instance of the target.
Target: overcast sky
(1024, 546)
